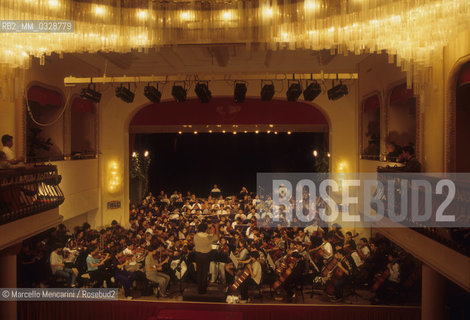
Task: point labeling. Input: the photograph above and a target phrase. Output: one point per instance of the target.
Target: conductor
(203, 245)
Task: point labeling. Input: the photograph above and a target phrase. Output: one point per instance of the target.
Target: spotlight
(337, 92)
(179, 93)
(239, 93)
(91, 94)
(267, 91)
(152, 93)
(202, 91)
(312, 91)
(125, 94)
(294, 91)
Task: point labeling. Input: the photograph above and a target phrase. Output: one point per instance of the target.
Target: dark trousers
(202, 270)
(99, 276)
(126, 279)
(245, 286)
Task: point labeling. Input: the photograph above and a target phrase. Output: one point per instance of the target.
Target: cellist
(255, 271)
(338, 276)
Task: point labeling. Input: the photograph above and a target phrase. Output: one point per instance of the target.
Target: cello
(336, 274)
(285, 272)
(245, 274)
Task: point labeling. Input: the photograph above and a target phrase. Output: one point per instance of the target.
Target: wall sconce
(114, 181)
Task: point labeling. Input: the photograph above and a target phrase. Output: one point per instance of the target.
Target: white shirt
(9, 153)
(311, 229)
(328, 250)
(257, 271)
(394, 273)
(56, 259)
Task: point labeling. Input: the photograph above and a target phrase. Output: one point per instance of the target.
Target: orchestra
(160, 249)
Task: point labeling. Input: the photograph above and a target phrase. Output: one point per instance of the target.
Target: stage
(165, 310)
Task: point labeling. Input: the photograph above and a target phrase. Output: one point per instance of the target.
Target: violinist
(153, 268)
(217, 267)
(126, 278)
(338, 276)
(96, 267)
(255, 272)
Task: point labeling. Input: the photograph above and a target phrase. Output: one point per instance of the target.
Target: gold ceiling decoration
(412, 32)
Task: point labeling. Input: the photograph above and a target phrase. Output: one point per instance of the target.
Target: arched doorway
(281, 120)
(462, 115)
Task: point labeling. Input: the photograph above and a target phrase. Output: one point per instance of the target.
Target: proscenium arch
(168, 102)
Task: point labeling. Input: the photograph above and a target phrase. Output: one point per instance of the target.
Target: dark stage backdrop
(190, 162)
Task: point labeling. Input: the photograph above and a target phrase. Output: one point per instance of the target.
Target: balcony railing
(25, 192)
(457, 238)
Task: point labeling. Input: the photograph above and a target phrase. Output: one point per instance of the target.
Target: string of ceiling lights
(311, 89)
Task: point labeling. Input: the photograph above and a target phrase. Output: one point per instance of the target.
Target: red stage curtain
(140, 310)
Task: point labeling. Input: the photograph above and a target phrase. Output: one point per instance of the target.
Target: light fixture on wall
(239, 93)
(152, 93)
(179, 92)
(267, 90)
(312, 91)
(338, 91)
(125, 94)
(91, 94)
(202, 91)
(294, 91)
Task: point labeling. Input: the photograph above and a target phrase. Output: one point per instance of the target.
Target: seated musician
(388, 282)
(364, 248)
(335, 234)
(96, 267)
(255, 270)
(327, 251)
(238, 260)
(303, 238)
(59, 269)
(126, 278)
(338, 276)
(217, 267)
(153, 268)
(295, 278)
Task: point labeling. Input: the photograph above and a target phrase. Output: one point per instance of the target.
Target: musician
(295, 277)
(238, 259)
(255, 271)
(203, 245)
(96, 267)
(327, 250)
(59, 269)
(119, 262)
(391, 285)
(303, 238)
(339, 275)
(217, 267)
(364, 248)
(153, 267)
(335, 234)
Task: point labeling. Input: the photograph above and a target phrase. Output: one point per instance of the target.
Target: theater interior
(129, 128)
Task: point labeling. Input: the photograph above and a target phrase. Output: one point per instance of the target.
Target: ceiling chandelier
(412, 32)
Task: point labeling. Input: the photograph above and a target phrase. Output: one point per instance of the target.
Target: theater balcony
(444, 251)
(29, 202)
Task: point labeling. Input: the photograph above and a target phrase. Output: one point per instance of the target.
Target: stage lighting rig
(202, 91)
(179, 92)
(91, 94)
(239, 92)
(152, 93)
(125, 94)
(338, 91)
(267, 91)
(312, 91)
(294, 91)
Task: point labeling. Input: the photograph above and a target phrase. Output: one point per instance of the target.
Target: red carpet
(142, 310)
